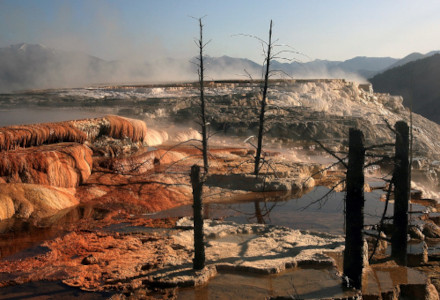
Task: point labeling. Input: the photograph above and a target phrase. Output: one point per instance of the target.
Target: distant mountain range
(26, 66)
(411, 57)
(357, 68)
(418, 81)
(30, 66)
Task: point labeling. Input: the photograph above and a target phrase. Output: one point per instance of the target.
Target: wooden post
(258, 214)
(354, 201)
(401, 194)
(199, 248)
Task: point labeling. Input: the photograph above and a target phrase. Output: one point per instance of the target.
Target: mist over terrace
(29, 66)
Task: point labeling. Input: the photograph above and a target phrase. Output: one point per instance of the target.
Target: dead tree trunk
(354, 201)
(199, 248)
(202, 100)
(263, 104)
(401, 194)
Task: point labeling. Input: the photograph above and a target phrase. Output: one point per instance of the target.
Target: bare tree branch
(380, 229)
(324, 197)
(341, 160)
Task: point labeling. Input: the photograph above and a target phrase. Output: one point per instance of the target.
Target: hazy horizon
(155, 39)
(115, 30)
(35, 66)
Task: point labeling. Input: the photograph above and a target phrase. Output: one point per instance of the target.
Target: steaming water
(156, 137)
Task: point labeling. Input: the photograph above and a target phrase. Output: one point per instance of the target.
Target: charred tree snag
(354, 201)
(401, 194)
(263, 104)
(201, 71)
(196, 179)
(199, 248)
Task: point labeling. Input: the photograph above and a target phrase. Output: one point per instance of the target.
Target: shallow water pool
(302, 283)
(305, 213)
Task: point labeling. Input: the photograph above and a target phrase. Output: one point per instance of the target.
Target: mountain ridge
(417, 83)
(410, 58)
(35, 66)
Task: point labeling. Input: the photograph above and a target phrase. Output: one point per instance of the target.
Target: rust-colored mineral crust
(39, 201)
(62, 165)
(121, 128)
(13, 137)
(24, 136)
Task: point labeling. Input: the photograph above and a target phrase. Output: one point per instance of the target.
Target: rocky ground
(123, 180)
(116, 171)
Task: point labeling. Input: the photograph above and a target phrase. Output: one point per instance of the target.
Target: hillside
(409, 58)
(417, 82)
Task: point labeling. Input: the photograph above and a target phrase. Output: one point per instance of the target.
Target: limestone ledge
(254, 248)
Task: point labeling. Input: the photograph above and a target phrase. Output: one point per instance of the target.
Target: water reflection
(294, 213)
(301, 283)
(18, 234)
(49, 290)
(382, 280)
(325, 216)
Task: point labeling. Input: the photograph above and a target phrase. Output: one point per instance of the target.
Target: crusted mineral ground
(143, 180)
(157, 180)
(62, 165)
(123, 179)
(25, 200)
(92, 260)
(139, 258)
(118, 253)
(124, 261)
(253, 248)
(114, 246)
(299, 110)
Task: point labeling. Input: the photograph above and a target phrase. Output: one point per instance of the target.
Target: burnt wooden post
(401, 194)
(199, 248)
(354, 202)
(258, 213)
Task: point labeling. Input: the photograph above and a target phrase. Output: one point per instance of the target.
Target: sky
(147, 29)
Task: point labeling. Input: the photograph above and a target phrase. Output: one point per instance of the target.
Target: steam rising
(156, 137)
(25, 66)
(125, 54)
